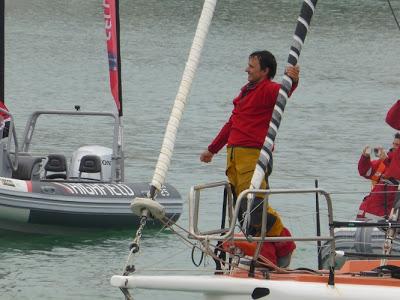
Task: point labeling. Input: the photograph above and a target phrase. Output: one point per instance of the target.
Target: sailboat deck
(350, 273)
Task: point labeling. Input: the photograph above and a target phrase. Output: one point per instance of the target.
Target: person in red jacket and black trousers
(380, 201)
(393, 119)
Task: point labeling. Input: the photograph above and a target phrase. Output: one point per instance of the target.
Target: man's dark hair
(266, 60)
(397, 135)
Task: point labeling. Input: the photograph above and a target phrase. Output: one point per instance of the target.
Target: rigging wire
(394, 15)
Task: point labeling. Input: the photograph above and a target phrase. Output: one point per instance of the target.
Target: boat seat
(57, 165)
(90, 164)
(28, 167)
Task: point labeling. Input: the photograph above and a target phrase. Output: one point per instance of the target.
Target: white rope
(192, 63)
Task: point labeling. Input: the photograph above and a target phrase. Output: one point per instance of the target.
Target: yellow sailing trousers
(240, 165)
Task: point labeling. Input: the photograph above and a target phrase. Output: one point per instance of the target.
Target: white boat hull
(70, 206)
(225, 287)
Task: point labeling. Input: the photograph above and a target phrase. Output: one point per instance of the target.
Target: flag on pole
(111, 18)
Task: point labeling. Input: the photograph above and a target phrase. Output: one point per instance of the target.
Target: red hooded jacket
(393, 116)
(380, 201)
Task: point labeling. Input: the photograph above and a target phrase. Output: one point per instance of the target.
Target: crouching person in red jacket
(277, 253)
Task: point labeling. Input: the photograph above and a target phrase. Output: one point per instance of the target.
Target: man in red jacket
(385, 171)
(245, 131)
(393, 119)
(382, 197)
(374, 169)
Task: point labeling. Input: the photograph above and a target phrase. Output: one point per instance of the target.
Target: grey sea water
(56, 58)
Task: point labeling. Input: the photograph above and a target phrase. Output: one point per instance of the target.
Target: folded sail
(111, 18)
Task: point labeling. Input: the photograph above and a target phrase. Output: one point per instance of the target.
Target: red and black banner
(111, 18)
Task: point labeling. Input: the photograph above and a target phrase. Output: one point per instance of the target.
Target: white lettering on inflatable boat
(108, 189)
(7, 182)
(14, 184)
(113, 190)
(163, 191)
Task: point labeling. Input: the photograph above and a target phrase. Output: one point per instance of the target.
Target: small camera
(376, 151)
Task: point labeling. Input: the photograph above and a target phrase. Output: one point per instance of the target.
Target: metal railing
(233, 216)
(117, 167)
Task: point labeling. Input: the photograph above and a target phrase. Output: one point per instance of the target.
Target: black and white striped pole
(264, 162)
